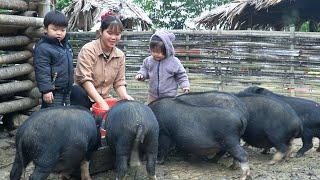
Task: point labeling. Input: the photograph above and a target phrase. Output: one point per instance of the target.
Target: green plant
(62, 4)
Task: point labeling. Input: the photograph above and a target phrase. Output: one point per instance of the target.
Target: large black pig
(201, 130)
(307, 110)
(59, 139)
(215, 98)
(132, 129)
(271, 123)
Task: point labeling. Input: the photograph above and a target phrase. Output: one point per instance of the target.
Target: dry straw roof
(84, 14)
(242, 14)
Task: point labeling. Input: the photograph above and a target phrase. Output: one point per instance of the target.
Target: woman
(101, 66)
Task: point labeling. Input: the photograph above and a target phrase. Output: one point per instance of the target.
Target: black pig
(271, 123)
(59, 139)
(307, 110)
(215, 98)
(201, 130)
(132, 128)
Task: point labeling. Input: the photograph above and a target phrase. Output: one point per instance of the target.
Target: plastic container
(96, 110)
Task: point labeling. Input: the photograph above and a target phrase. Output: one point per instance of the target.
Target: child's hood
(167, 38)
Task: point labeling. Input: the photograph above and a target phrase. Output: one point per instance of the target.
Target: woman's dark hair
(112, 22)
(157, 44)
(55, 18)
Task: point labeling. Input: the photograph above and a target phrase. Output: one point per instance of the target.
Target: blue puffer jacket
(53, 64)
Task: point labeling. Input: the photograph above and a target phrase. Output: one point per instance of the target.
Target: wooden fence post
(43, 7)
(292, 74)
(220, 86)
(187, 47)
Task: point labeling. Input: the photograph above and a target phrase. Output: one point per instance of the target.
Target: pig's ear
(259, 90)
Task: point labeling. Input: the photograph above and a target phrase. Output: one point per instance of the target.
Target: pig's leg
(151, 143)
(17, 167)
(85, 175)
(40, 173)
(238, 153)
(164, 147)
(123, 150)
(307, 143)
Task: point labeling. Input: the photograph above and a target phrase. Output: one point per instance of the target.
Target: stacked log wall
(18, 92)
(284, 62)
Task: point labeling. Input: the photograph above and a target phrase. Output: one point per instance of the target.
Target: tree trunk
(17, 5)
(15, 57)
(16, 86)
(21, 20)
(18, 105)
(14, 71)
(20, 41)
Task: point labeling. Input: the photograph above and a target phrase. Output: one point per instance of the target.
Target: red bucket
(96, 110)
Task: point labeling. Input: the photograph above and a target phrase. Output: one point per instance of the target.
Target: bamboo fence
(284, 62)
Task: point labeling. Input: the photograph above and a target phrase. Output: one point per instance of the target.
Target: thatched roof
(85, 14)
(243, 14)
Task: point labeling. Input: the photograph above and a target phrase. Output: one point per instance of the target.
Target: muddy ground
(307, 167)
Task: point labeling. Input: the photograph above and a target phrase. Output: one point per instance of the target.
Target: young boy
(164, 71)
(53, 61)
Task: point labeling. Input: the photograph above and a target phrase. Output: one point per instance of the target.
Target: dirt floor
(306, 167)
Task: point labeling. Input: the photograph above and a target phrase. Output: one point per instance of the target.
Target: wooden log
(16, 86)
(102, 160)
(15, 71)
(14, 5)
(34, 93)
(18, 105)
(43, 7)
(34, 32)
(21, 20)
(6, 42)
(15, 57)
(18, 119)
(10, 30)
(29, 13)
(32, 76)
(30, 61)
(30, 46)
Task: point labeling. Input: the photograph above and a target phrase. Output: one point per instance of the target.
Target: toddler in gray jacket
(164, 71)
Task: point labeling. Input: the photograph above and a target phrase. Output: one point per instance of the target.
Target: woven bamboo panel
(284, 62)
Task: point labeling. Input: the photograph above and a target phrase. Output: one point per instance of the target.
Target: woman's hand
(122, 93)
(48, 97)
(128, 97)
(139, 77)
(103, 105)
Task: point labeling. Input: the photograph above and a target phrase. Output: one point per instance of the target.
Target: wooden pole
(292, 83)
(18, 105)
(19, 41)
(16, 86)
(15, 71)
(14, 5)
(43, 7)
(20, 20)
(15, 57)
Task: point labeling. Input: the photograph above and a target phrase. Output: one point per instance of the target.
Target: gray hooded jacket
(165, 75)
